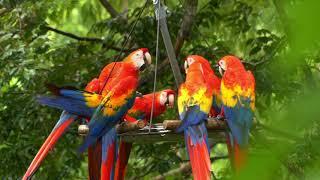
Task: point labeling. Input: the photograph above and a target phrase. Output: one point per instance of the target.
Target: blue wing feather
(239, 119)
(73, 106)
(193, 116)
(100, 124)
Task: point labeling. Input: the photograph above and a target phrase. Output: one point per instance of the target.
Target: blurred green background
(278, 40)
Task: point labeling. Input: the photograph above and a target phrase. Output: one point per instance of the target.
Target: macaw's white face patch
(141, 59)
(222, 66)
(163, 98)
(138, 59)
(187, 63)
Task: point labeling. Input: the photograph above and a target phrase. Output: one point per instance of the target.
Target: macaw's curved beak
(221, 70)
(147, 58)
(170, 100)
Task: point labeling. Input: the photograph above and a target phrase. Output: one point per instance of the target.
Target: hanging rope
(124, 44)
(156, 65)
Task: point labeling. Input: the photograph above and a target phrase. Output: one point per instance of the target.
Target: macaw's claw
(139, 94)
(220, 117)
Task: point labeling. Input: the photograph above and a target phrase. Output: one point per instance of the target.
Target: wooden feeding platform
(165, 132)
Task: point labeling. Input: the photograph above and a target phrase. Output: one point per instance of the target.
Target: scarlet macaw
(194, 103)
(141, 110)
(238, 99)
(119, 81)
(64, 122)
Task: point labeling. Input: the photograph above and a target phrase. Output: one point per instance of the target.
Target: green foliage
(278, 41)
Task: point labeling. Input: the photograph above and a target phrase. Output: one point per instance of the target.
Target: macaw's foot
(220, 117)
(139, 94)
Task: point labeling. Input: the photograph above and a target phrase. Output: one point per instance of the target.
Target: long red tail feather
(46, 147)
(199, 159)
(108, 165)
(240, 157)
(122, 161)
(94, 160)
(230, 150)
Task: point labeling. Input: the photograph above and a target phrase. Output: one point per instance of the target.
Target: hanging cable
(124, 44)
(156, 65)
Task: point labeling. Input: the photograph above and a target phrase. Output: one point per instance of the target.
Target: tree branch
(186, 25)
(113, 13)
(73, 36)
(3, 11)
(183, 33)
(185, 168)
(88, 39)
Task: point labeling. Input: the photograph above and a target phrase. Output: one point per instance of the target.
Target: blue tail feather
(64, 117)
(109, 139)
(197, 133)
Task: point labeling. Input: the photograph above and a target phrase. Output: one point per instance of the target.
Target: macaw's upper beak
(147, 56)
(170, 100)
(221, 70)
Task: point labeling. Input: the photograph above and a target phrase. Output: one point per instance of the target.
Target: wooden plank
(143, 138)
(211, 124)
(165, 132)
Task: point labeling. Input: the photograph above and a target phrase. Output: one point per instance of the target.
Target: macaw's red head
(166, 98)
(197, 59)
(139, 58)
(230, 63)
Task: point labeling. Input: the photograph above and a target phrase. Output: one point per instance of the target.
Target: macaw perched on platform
(119, 81)
(141, 110)
(64, 122)
(195, 99)
(238, 99)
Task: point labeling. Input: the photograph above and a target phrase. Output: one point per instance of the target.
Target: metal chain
(124, 44)
(155, 67)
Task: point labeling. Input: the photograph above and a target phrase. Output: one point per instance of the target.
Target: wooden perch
(162, 132)
(83, 129)
(212, 124)
(165, 132)
(128, 126)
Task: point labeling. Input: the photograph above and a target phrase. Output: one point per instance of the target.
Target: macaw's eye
(190, 61)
